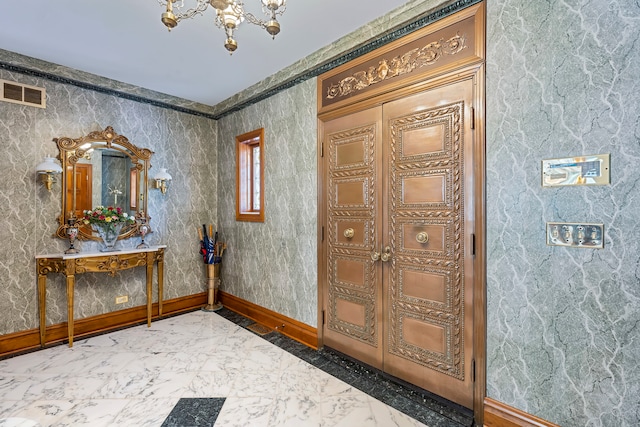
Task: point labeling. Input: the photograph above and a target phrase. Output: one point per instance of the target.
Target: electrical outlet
(122, 299)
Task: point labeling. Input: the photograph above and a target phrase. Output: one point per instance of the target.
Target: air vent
(23, 94)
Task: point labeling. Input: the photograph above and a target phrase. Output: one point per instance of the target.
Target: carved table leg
(70, 284)
(42, 306)
(160, 280)
(149, 287)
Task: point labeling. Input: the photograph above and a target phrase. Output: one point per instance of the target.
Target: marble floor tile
(184, 369)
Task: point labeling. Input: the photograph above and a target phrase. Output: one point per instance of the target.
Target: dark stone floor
(194, 412)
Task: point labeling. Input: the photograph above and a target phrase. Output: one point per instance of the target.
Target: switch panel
(575, 235)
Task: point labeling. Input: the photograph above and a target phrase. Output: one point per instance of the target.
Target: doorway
(401, 208)
(400, 228)
(79, 189)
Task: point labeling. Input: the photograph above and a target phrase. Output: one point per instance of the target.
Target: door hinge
(473, 118)
(322, 149)
(473, 244)
(322, 234)
(323, 317)
(473, 370)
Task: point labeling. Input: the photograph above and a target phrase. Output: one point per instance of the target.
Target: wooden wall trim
(287, 326)
(29, 340)
(498, 414)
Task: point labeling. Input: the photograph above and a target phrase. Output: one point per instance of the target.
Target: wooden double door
(398, 202)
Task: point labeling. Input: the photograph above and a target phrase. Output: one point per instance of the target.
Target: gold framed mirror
(102, 169)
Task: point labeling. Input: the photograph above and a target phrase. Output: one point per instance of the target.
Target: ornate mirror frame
(72, 150)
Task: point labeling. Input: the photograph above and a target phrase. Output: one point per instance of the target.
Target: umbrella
(210, 249)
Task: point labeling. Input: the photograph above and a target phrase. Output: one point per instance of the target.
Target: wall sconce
(46, 170)
(161, 179)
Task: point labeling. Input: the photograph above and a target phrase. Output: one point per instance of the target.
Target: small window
(250, 176)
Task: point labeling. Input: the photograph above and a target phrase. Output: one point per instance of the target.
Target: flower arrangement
(107, 222)
(101, 215)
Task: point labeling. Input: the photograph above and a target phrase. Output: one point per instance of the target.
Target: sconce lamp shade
(162, 175)
(48, 165)
(46, 170)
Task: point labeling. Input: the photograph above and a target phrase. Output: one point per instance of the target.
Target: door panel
(352, 296)
(435, 235)
(361, 232)
(425, 286)
(425, 140)
(429, 280)
(428, 188)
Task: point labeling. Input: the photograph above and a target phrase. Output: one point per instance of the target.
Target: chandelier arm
(250, 18)
(189, 13)
(279, 11)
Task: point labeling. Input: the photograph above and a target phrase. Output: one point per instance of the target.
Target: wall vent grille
(23, 94)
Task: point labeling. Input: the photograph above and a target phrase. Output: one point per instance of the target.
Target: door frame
(473, 67)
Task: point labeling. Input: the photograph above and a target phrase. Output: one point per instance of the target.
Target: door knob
(349, 233)
(422, 237)
(386, 255)
(375, 256)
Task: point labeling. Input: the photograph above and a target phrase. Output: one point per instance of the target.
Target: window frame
(245, 176)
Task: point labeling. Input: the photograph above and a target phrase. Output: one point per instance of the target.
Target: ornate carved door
(399, 253)
(354, 202)
(428, 226)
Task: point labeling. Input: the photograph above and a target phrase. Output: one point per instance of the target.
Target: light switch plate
(584, 170)
(575, 235)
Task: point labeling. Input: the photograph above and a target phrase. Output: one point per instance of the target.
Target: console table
(98, 262)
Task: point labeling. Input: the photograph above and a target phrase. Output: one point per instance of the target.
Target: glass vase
(108, 233)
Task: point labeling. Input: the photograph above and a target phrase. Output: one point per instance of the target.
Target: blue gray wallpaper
(273, 264)
(562, 80)
(563, 337)
(184, 144)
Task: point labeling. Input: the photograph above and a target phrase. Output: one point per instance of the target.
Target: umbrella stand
(211, 251)
(213, 280)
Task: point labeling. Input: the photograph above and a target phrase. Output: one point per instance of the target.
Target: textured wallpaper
(563, 324)
(274, 264)
(184, 144)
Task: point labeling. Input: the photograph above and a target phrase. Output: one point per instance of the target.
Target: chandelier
(229, 14)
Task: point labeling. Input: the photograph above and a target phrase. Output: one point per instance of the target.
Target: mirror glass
(102, 169)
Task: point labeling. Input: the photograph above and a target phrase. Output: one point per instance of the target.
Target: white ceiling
(124, 40)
